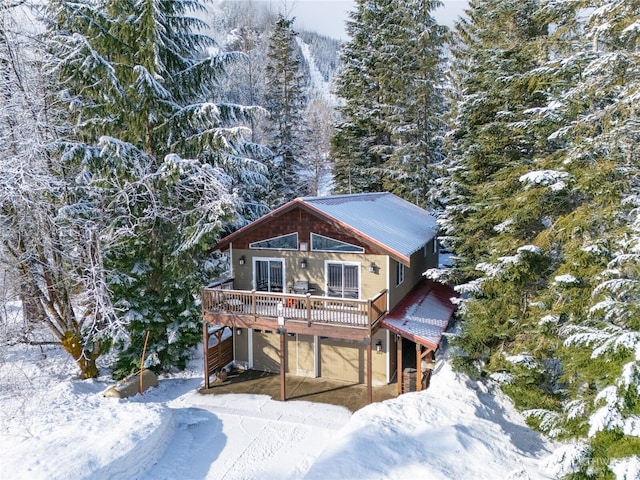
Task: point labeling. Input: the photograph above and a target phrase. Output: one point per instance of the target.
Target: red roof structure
(423, 316)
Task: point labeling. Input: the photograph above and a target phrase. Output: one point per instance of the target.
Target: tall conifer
(157, 159)
(393, 85)
(285, 100)
(543, 215)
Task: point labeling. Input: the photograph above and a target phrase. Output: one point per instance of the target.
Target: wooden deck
(347, 319)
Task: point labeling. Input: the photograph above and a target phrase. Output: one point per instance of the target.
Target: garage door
(341, 360)
(266, 352)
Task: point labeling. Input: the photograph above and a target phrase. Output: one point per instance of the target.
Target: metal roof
(390, 221)
(423, 316)
(394, 225)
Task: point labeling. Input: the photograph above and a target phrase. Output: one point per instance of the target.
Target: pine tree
(543, 215)
(285, 101)
(359, 141)
(158, 159)
(594, 243)
(416, 116)
(319, 115)
(391, 128)
(495, 209)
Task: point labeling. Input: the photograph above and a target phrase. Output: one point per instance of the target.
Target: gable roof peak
(379, 218)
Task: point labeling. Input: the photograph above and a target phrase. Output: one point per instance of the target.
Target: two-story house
(330, 287)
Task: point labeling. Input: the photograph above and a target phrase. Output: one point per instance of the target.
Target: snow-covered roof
(424, 315)
(385, 218)
(392, 224)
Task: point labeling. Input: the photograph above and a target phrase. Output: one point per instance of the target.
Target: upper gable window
(284, 242)
(320, 243)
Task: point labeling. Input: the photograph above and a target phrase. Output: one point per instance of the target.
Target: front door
(268, 274)
(343, 280)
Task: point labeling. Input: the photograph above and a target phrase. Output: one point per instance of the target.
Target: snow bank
(71, 431)
(449, 431)
(56, 427)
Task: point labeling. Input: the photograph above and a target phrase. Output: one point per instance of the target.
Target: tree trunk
(85, 359)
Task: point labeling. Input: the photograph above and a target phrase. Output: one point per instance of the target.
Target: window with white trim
(283, 242)
(268, 274)
(320, 243)
(399, 273)
(343, 279)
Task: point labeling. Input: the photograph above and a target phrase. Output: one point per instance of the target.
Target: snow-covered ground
(56, 427)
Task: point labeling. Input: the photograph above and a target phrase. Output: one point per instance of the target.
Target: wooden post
(369, 373)
(205, 344)
(283, 356)
(418, 367)
(308, 304)
(429, 356)
(399, 362)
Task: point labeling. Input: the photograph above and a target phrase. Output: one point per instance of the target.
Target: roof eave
(411, 336)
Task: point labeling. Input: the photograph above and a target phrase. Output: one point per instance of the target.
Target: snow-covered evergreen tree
(542, 214)
(360, 139)
(416, 116)
(595, 243)
(391, 130)
(490, 212)
(156, 159)
(285, 100)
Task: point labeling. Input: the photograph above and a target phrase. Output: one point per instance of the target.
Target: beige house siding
(370, 283)
(380, 360)
(266, 351)
(339, 360)
(342, 360)
(299, 359)
(421, 260)
(346, 361)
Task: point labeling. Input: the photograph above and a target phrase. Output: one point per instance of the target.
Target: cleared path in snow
(229, 437)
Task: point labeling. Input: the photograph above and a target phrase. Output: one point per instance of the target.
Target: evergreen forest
(134, 135)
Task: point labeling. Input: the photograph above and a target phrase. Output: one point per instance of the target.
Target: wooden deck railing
(309, 308)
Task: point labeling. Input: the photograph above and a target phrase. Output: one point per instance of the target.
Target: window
(399, 273)
(320, 243)
(284, 242)
(268, 274)
(343, 280)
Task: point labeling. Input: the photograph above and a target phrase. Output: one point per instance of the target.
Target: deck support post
(418, 367)
(399, 363)
(283, 356)
(369, 373)
(205, 344)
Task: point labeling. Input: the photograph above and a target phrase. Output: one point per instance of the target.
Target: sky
(328, 17)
